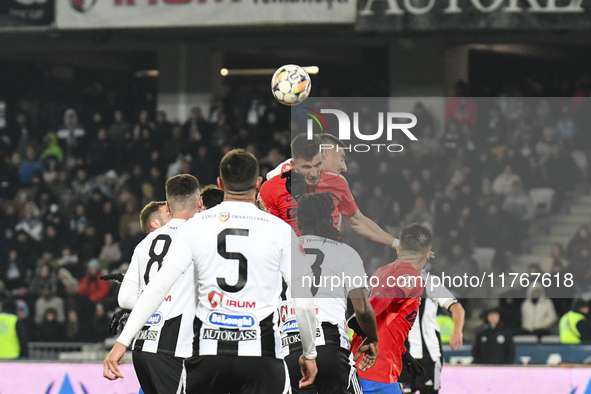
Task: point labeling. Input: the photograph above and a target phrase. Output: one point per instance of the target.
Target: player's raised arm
(369, 229)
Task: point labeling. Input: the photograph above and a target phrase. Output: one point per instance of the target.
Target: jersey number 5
(242, 262)
(157, 258)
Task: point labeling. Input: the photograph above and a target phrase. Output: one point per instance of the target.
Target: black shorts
(336, 375)
(157, 373)
(234, 374)
(429, 384)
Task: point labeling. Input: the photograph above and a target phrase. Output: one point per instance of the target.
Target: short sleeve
(347, 202)
(267, 198)
(180, 252)
(354, 269)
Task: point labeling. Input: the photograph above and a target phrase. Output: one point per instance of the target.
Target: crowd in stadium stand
(70, 198)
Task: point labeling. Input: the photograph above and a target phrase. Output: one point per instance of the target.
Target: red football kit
(280, 203)
(396, 309)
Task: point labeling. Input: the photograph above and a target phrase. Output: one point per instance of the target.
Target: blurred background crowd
(71, 193)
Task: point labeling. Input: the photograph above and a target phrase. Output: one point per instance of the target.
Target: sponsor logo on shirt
(229, 335)
(147, 335)
(215, 299)
(290, 325)
(232, 321)
(241, 304)
(224, 216)
(155, 319)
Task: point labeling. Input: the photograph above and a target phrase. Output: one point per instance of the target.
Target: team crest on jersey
(224, 216)
(215, 299)
(283, 312)
(286, 167)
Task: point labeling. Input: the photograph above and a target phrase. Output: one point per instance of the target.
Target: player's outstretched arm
(146, 305)
(458, 315)
(369, 229)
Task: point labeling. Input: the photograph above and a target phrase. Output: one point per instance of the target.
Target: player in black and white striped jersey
(240, 254)
(167, 337)
(329, 258)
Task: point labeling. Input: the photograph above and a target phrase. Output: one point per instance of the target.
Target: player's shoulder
(334, 178)
(273, 182)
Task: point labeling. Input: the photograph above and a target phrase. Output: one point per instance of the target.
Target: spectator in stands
(173, 144)
(44, 277)
(13, 272)
(73, 333)
(196, 128)
(563, 173)
(50, 329)
(31, 223)
(581, 239)
(110, 252)
(537, 312)
(493, 343)
(118, 128)
(163, 127)
(566, 129)
(519, 205)
(100, 322)
(30, 164)
(503, 183)
(100, 152)
(420, 214)
(53, 150)
(495, 222)
(49, 300)
(580, 268)
(510, 311)
(71, 133)
(130, 216)
(574, 326)
(91, 286)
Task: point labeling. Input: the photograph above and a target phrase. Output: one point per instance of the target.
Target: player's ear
(200, 203)
(220, 183)
(168, 208)
(398, 250)
(259, 182)
(154, 224)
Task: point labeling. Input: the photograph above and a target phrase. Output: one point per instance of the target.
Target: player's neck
(249, 196)
(418, 262)
(183, 215)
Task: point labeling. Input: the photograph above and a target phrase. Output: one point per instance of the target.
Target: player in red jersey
(307, 161)
(395, 300)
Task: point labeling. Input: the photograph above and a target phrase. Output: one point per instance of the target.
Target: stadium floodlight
(261, 71)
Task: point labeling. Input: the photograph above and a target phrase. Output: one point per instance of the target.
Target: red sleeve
(347, 205)
(267, 196)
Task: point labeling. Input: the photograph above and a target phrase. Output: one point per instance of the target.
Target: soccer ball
(291, 84)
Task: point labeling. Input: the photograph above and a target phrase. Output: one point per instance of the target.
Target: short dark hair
(239, 170)
(211, 195)
(416, 238)
(331, 139)
(180, 189)
(147, 214)
(303, 148)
